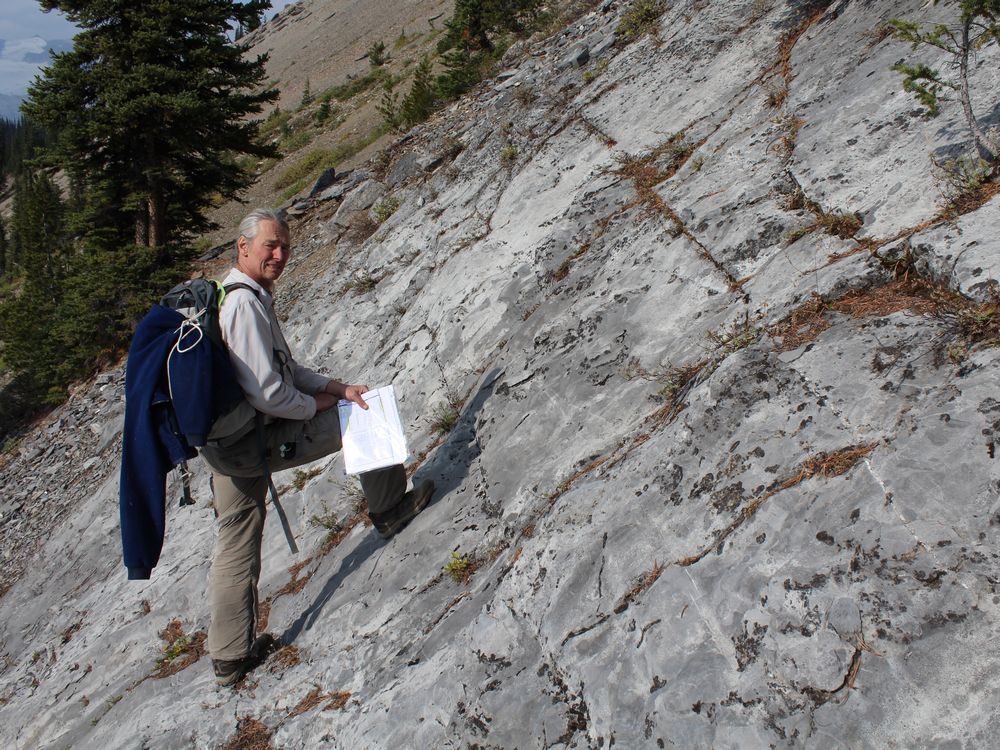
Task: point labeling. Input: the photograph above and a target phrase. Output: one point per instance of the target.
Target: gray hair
(251, 222)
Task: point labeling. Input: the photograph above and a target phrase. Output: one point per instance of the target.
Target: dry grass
(361, 227)
(650, 169)
(919, 297)
(251, 734)
(313, 699)
(776, 96)
(337, 700)
(563, 271)
(829, 464)
(566, 483)
(790, 127)
(788, 42)
(296, 584)
(916, 296)
(645, 177)
(802, 326)
(284, 658)
(639, 585)
(263, 615)
(67, 634)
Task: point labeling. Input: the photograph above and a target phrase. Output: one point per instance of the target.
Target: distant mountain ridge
(9, 106)
(20, 62)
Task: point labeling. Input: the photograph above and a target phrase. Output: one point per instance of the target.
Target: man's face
(263, 258)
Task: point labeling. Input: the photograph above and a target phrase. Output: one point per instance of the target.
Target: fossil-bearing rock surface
(722, 472)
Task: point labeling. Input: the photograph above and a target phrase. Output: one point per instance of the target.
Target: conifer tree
(3, 248)
(978, 27)
(419, 103)
(149, 104)
(29, 313)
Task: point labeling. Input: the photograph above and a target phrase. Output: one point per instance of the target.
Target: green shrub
(384, 209)
(354, 86)
(376, 54)
(445, 417)
(293, 140)
(508, 156)
(319, 159)
(274, 122)
(460, 568)
(640, 19)
(419, 103)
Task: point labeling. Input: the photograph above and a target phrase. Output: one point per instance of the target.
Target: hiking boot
(391, 522)
(230, 671)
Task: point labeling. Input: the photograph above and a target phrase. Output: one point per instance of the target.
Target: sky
(23, 19)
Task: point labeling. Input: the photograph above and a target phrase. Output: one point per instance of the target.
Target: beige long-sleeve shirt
(273, 382)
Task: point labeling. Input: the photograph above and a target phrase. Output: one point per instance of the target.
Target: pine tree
(148, 104)
(978, 26)
(29, 313)
(3, 248)
(419, 103)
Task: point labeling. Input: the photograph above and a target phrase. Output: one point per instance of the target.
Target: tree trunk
(988, 148)
(141, 226)
(157, 218)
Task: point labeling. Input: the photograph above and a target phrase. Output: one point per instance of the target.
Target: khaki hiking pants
(240, 509)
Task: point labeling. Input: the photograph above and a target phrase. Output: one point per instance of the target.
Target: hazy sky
(23, 19)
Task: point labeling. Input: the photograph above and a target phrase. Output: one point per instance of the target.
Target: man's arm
(247, 333)
(335, 390)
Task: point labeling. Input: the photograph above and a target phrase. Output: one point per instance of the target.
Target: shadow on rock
(370, 544)
(448, 467)
(450, 463)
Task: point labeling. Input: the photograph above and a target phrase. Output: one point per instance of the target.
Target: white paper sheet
(373, 438)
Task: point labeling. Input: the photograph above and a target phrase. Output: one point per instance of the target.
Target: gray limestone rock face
(359, 198)
(715, 464)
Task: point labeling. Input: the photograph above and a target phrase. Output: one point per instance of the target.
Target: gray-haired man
(299, 408)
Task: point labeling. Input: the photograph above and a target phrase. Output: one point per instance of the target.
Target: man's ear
(241, 244)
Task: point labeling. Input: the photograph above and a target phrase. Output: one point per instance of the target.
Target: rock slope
(698, 365)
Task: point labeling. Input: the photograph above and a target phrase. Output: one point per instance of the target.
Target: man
(301, 425)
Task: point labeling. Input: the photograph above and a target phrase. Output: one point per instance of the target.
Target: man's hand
(343, 391)
(353, 393)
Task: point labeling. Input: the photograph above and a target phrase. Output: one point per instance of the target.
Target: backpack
(199, 301)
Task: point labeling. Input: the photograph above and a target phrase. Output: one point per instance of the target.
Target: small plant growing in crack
(776, 95)
(460, 568)
(508, 156)
(363, 284)
(836, 223)
(300, 477)
(592, 74)
(384, 209)
(738, 335)
(180, 649)
(672, 379)
(328, 521)
(789, 128)
(964, 184)
(445, 416)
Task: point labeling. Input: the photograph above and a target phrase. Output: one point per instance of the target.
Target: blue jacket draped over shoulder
(164, 423)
